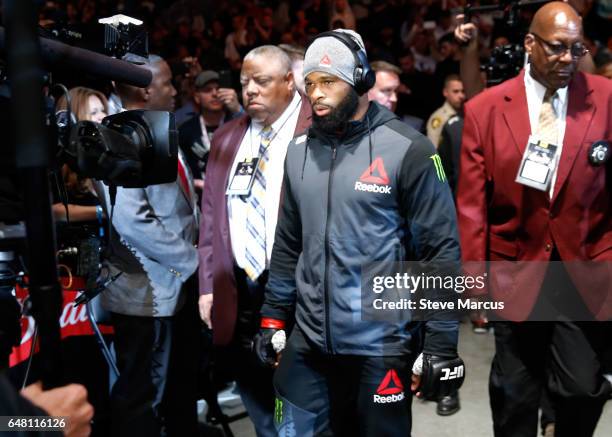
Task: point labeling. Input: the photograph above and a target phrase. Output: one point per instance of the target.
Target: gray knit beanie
(330, 55)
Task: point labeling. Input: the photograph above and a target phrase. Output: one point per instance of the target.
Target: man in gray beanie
(326, 47)
(360, 186)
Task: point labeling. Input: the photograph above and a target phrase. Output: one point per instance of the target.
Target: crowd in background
(415, 35)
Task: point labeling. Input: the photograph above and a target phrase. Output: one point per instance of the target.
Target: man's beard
(337, 119)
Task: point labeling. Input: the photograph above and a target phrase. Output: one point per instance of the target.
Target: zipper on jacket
(328, 339)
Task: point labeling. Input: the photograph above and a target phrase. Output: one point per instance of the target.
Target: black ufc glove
(439, 376)
(269, 341)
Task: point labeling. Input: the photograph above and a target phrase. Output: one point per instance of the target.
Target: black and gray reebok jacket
(374, 195)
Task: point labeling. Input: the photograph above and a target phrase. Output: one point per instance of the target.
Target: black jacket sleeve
(445, 149)
(426, 203)
(279, 300)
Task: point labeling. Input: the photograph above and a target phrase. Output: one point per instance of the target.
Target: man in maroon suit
(535, 186)
(239, 211)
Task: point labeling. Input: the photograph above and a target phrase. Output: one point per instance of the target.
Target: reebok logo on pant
(374, 179)
(390, 389)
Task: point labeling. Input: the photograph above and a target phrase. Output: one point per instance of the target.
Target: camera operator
(153, 302)
(86, 104)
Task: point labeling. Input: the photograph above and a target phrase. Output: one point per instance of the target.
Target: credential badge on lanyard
(243, 177)
(538, 164)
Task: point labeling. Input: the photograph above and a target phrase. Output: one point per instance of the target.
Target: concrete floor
(474, 419)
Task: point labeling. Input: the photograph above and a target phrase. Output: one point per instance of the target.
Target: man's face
(385, 89)
(448, 49)
(420, 43)
(407, 64)
(550, 65)
(606, 70)
(206, 97)
(454, 94)
(333, 101)
(161, 92)
(266, 89)
(501, 41)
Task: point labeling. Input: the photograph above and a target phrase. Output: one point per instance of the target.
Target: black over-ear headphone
(363, 75)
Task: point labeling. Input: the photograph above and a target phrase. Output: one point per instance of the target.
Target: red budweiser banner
(73, 321)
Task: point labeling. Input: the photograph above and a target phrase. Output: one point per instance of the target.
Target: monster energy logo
(438, 165)
(278, 410)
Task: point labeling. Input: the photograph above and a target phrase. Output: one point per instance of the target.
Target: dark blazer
(500, 219)
(216, 269)
(449, 148)
(190, 142)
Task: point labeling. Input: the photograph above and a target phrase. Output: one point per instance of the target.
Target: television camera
(129, 149)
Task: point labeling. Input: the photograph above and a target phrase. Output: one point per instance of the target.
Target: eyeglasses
(577, 50)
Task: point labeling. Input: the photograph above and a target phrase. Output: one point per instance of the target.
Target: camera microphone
(63, 56)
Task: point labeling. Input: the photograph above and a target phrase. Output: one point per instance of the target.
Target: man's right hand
(434, 377)
(69, 401)
(229, 97)
(465, 33)
(205, 304)
(269, 342)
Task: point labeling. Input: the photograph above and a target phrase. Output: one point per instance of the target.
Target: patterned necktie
(255, 248)
(183, 178)
(547, 123)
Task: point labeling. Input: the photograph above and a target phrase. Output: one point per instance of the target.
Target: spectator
(450, 57)
(605, 70)
(188, 68)
(316, 14)
(386, 89)
(216, 106)
(341, 12)
(213, 47)
(264, 26)
(421, 44)
(386, 86)
(237, 42)
(419, 100)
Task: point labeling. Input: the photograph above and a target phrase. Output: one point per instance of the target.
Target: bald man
(533, 191)
(238, 223)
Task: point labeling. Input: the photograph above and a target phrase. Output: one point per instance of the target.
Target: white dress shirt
(535, 97)
(282, 133)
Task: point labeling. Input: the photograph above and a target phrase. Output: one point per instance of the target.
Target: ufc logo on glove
(457, 372)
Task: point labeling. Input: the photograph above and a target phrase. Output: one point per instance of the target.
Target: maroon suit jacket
(216, 270)
(500, 219)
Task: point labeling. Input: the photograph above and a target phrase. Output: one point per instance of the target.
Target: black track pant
(341, 395)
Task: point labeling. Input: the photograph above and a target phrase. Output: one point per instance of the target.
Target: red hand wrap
(272, 323)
